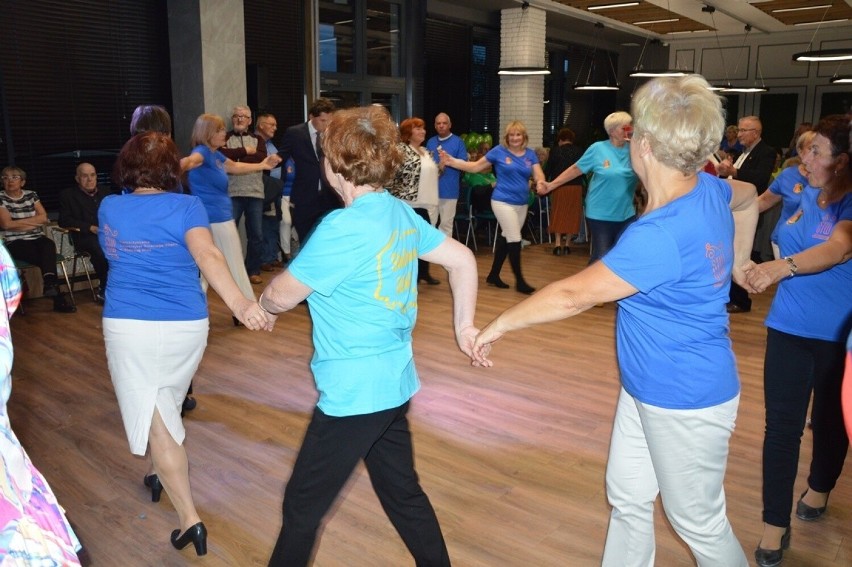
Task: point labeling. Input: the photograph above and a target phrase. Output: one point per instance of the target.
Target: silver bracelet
(791, 264)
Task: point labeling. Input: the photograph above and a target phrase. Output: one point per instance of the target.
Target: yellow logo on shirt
(606, 163)
(797, 188)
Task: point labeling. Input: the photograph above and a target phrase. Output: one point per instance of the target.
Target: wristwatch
(792, 265)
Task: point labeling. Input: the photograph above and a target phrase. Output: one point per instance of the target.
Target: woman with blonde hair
(514, 164)
(670, 274)
(208, 180)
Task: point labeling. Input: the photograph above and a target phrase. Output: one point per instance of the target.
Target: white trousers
(511, 219)
(447, 212)
(227, 240)
(681, 455)
(286, 232)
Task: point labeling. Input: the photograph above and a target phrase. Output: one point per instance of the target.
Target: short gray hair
(615, 120)
(682, 120)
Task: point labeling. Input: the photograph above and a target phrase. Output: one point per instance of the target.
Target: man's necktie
(318, 146)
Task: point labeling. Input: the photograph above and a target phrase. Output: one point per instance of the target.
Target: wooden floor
(512, 457)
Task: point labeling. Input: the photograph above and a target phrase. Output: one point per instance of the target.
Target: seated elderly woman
(358, 273)
(22, 218)
(670, 274)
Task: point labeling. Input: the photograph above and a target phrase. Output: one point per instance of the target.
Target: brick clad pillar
(522, 44)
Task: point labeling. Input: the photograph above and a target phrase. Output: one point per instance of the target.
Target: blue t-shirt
(513, 174)
(814, 306)
(788, 185)
(364, 303)
(672, 336)
(152, 275)
(610, 195)
(448, 182)
(209, 182)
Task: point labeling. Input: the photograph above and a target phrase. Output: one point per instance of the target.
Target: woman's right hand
(254, 317)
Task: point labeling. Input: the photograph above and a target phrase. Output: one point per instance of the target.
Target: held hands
(446, 159)
(482, 345)
(761, 276)
(725, 167)
(271, 161)
(542, 187)
(254, 317)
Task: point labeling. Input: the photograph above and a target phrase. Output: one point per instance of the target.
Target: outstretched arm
(558, 300)
(461, 265)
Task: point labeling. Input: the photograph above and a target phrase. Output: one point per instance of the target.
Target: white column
(522, 44)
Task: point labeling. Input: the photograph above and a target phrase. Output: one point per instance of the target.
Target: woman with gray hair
(609, 201)
(670, 273)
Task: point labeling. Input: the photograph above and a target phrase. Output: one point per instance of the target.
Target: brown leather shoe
(256, 279)
(267, 267)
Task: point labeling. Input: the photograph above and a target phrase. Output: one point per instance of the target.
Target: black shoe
(808, 513)
(772, 557)
(50, 290)
(152, 481)
(735, 308)
(189, 403)
(197, 535)
(566, 251)
(61, 305)
(496, 282)
(557, 251)
(428, 279)
(524, 287)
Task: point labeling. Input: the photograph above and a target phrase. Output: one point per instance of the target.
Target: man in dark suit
(311, 197)
(755, 165)
(78, 212)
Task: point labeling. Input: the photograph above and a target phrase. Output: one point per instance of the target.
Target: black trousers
(793, 368)
(89, 243)
(331, 449)
(39, 252)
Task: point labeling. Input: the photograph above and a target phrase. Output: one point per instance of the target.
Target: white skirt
(151, 364)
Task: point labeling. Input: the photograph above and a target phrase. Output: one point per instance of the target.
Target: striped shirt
(21, 208)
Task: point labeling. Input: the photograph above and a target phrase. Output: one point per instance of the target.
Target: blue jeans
(253, 208)
(604, 234)
(270, 239)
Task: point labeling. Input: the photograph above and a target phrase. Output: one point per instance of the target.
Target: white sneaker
(525, 243)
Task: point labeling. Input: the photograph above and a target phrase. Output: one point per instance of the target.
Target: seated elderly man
(22, 218)
(78, 212)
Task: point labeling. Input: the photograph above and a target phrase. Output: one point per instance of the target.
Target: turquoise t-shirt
(814, 306)
(672, 336)
(152, 275)
(610, 195)
(513, 174)
(361, 262)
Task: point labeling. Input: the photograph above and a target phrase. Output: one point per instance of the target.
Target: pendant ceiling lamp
(639, 71)
(823, 55)
(592, 85)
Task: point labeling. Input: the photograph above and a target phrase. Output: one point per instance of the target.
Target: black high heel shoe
(496, 282)
(197, 534)
(772, 557)
(152, 481)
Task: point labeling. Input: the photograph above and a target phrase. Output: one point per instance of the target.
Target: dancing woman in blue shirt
(514, 164)
(670, 273)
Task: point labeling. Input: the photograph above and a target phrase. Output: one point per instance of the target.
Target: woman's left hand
(761, 276)
(482, 345)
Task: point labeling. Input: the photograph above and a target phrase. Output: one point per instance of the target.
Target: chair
(464, 214)
(482, 212)
(65, 252)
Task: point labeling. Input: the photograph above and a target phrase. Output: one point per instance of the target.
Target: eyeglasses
(242, 116)
(11, 178)
(747, 129)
